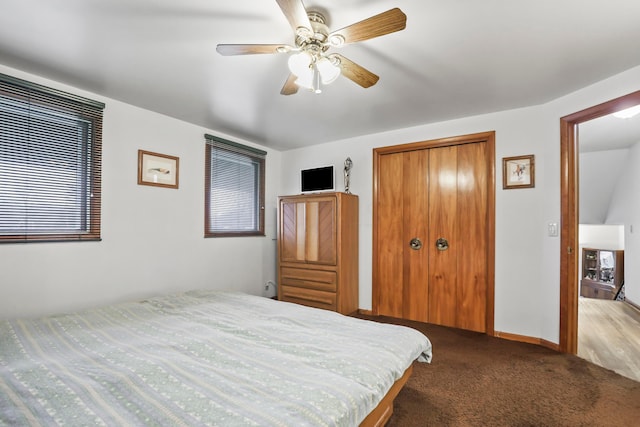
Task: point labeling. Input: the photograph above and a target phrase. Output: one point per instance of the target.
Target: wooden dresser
(602, 273)
(318, 251)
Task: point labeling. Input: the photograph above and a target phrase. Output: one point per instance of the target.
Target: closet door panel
(416, 226)
(390, 252)
(472, 249)
(442, 225)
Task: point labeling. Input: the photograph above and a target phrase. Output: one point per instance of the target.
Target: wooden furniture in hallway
(602, 273)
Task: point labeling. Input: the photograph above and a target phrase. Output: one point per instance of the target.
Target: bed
(204, 358)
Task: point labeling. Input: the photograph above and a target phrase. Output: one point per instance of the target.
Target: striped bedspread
(200, 358)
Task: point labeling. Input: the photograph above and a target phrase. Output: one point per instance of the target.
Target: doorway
(433, 232)
(569, 213)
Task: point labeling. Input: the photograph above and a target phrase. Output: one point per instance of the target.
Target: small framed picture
(156, 169)
(518, 172)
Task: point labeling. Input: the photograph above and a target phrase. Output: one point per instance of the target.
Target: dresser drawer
(310, 297)
(597, 290)
(311, 279)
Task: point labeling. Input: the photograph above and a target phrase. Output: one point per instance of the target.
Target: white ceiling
(456, 58)
(608, 133)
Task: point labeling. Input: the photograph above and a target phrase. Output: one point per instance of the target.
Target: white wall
(625, 209)
(152, 238)
(599, 174)
(601, 236)
(527, 260)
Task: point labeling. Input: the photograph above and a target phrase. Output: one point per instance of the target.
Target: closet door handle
(415, 244)
(442, 244)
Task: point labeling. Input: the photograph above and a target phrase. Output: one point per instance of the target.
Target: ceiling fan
(311, 64)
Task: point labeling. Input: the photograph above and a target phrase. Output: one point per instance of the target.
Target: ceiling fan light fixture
(310, 80)
(329, 72)
(305, 79)
(300, 63)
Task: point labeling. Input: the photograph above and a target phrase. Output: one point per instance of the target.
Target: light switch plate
(553, 229)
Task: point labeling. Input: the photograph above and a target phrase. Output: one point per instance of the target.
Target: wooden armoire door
(433, 233)
(309, 230)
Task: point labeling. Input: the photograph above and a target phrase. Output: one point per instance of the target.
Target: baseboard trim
(528, 340)
(632, 304)
(540, 341)
(504, 335)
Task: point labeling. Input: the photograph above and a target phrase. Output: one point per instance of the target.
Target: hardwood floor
(609, 335)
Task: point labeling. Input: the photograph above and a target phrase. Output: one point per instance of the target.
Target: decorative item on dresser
(348, 164)
(318, 250)
(602, 273)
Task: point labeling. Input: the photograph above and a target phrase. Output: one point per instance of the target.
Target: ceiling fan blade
(249, 49)
(384, 23)
(356, 73)
(290, 87)
(296, 14)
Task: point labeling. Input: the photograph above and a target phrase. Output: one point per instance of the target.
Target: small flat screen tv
(317, 179)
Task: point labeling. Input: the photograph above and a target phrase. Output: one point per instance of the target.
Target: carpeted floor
(477, 380)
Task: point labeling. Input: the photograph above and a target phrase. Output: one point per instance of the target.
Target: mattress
(200, 358)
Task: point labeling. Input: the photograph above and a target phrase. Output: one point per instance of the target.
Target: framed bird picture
(518, 172)
(159, 170)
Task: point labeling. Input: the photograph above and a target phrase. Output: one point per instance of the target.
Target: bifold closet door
(431, 245)
(473, 276)
(442, 217)
(389, 256)
(402, 216)
(457, 218)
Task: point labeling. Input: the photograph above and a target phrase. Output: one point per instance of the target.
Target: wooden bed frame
(381, 413)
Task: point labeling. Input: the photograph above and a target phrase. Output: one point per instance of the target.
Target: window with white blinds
(234, 200)
(50, 164)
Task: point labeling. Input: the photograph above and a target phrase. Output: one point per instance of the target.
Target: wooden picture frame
(518, 172)
(159, 170)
